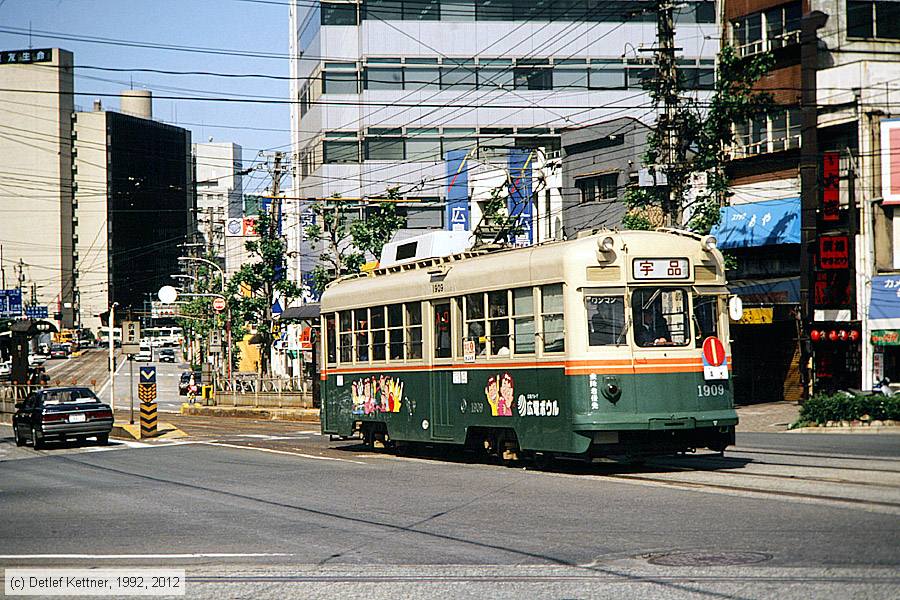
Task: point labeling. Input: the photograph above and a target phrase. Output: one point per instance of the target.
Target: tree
(199, 319)
(704, 131)
(252, 291)
(347, 239)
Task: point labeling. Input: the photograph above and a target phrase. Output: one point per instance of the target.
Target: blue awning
(759, 224)
(780, 290)
(884, 306)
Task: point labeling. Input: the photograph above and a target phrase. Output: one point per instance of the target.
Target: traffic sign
(37, 312)
(131, 337)
(713, 351)
(148, 374)
(10, 303)
(218, 304)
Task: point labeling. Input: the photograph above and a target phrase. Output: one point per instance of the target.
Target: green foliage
(264, 275)
(347, 240)
(704, 134)
(636, 221)
(848, 407)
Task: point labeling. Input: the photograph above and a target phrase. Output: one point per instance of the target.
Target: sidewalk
(769, 417)
(307, 415)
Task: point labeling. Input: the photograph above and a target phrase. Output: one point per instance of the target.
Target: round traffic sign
(713, 351)
(218, 304)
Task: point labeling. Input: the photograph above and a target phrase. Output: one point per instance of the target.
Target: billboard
(457, 191)
(10, 303)
(890, 161)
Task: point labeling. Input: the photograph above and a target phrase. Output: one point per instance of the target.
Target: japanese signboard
(831, 200)
(518, 203)
(10, 303)
(757, 316)
(131, 337)
(886, 337)
(457, 190)
(834, 252)
(25, 57)
(833, 290)
(660, 268)
(37, 312)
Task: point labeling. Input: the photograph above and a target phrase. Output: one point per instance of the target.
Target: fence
(10, 393)
(252, 390)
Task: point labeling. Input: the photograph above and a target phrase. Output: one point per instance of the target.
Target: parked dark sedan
(61, 413)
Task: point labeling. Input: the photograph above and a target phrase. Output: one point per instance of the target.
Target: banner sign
(831, 186)
(886, 337)
(10, 303)
(518, 203)
(25, 57)
(890, 161)
(457, 218)
(834, 252)
(884, 306)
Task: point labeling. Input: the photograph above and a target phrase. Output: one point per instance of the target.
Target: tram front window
(660, 317)
(606, 320)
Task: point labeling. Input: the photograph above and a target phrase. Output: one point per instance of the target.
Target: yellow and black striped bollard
(147, 395)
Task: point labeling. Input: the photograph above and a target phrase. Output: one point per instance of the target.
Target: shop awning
(781, 290)
(759, 224)
(884, 306)
(304, 311)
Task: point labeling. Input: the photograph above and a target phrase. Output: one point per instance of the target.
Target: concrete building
(598, 162)
(385, 89)
(135, 200)
(857, 72)
(36, 226)
(218, 168)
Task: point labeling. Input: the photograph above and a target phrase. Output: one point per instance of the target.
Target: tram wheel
(544, 461)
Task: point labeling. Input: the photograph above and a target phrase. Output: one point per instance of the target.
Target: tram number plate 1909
(714, 373)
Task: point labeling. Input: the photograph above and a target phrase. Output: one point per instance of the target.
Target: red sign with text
(831, 197)
(834, 252)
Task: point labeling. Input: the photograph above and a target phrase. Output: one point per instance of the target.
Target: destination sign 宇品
(660, 268)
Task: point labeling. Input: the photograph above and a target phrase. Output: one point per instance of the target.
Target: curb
(305, 415)
(867, 429)
(164, 431)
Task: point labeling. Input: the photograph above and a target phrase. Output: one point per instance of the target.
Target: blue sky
(218, 24)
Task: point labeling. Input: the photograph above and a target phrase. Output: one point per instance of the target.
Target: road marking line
(356, 462)
(144, 556)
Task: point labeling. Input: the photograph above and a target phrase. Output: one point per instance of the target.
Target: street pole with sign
(131, 345)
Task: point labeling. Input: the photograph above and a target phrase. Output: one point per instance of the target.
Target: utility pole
(21, 281)
(2, 270)
(673, 153)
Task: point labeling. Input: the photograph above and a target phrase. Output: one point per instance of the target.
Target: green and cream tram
(611, 344)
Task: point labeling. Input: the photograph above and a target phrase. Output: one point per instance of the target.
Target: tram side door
(441, 415)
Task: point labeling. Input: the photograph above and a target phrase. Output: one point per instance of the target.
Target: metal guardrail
(254, 384)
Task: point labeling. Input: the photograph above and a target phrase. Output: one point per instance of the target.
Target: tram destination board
(660, 268)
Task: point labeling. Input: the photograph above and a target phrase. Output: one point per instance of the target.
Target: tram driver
(652, 329)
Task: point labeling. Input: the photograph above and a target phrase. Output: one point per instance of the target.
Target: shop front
(884, 324)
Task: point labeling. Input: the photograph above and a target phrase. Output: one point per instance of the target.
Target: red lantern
(815, 335)
(854, 336)
(842, 334)
(833, 335)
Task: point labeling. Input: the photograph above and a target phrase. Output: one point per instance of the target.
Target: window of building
(385, 148)
(384, 10)
(334, 13)
(606, 320)
(660, 317)
(639, 75)
(570, 74)
(773, 132)
(422, 10)
(768, 30)
(606, 74)
(552, 323)
(340, 152)
(426, 149)
(424, 217)
(458, 74)
(601, 187)
(873, 20)
(383, 78)
(457, 10)
(495, 73)
(496, 10)
(340, 82)
(422, 78)
(533, 75)
(523, 321)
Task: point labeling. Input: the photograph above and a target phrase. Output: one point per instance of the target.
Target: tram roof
(500, 269)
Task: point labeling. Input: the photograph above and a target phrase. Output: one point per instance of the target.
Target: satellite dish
(167, 294)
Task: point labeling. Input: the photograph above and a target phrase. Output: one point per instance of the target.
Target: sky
(242, 26)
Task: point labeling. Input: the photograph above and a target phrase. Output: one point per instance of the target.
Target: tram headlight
(709, 243)
(608, 244)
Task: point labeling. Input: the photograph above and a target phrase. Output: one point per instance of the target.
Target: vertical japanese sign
(457, 218)
(518, 203)
(890, 161)
(831, 199)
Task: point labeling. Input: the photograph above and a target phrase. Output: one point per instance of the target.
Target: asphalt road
(274, 510)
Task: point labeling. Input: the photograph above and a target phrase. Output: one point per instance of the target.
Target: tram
(614, 344)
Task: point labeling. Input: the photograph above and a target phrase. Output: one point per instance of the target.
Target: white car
(5, 368)
(36, 359)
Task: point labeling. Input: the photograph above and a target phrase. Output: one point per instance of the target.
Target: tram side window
(361, 328)
(552, 318)
(475, 329)
(660, 317)
(413, 330)
(331, 338)
(523, 321)
(376, 317)
(498, 322)
(346, 335)
(442, 338)
(706, 318)
(395, 331)
(606, 320)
